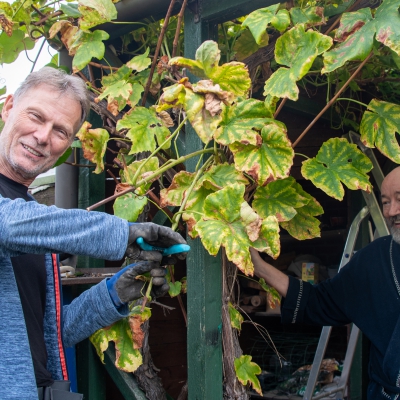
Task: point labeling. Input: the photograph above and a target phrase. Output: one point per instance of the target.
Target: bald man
(366, 293)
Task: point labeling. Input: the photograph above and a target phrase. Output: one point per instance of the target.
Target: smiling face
(38, 128)
(390, 192)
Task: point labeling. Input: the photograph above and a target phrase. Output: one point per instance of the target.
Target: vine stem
(179, 160)
(188, 192)
(178, 28)
(158, 149)
(334, 98)
(157, 51)
(281, 104)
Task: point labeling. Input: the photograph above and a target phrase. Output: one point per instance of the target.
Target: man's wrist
(113, 294)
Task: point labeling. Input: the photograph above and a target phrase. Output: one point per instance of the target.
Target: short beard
(395, 232)
(28, 174)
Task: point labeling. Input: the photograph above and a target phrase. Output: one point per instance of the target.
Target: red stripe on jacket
(57, 293)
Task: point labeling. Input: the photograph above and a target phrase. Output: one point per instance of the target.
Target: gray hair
(62, 82)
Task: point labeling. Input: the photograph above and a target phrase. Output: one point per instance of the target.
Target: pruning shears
(165, 251)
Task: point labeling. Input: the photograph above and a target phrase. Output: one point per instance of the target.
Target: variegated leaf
(269, 161)
(258, 21)
(242, 122)
(304, 225)
(143, 126)
(378, 128)
(279, 198)
(338, 162)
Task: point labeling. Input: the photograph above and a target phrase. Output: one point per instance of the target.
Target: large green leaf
(387, 24)
(296, 49)
(94, 144)
(246, 45)
(127, 358)
(378, 128)
(194, 209)
(117, 96)
(258, 21)
(242, 122)
(279, 198)
(11, 47)
(357, 46)
(70, 10)
(218, 176)
(143, 125)
(96, 12)
(338, 162)
(230, 222)
(212, 180)
(269, 161)
(357, 31)
(304, 225)
(222, 225)
(121, 74)
(89, 45)
(232, 77)
(247, 371)
(311, 15)
(268, 240)
(129, 206)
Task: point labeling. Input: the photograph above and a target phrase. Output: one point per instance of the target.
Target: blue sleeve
(92, 310)
(29, 227)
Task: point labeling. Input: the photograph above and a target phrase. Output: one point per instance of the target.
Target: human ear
(8, 105)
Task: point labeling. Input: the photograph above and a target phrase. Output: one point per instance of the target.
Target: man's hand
(124, 287)
(155, 235)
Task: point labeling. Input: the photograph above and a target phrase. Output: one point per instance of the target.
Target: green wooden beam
(203, 273)
(127, 383)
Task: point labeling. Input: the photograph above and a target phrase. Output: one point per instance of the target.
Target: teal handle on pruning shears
(165, 251)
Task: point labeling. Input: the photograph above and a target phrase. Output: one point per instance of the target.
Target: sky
(11, 75)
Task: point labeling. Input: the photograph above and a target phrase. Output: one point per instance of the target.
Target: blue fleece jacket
(29, 227)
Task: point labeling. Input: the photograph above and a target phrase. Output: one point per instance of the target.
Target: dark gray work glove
(124, 287)
(155, 235)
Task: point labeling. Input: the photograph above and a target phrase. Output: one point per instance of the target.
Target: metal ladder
(371, 209)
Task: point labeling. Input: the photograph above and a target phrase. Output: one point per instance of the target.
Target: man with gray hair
(40, 122)
(365, 292)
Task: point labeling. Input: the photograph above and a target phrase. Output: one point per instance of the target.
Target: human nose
(42, 134)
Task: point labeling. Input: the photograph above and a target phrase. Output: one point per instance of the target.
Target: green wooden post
(203, 276)
(90, 371)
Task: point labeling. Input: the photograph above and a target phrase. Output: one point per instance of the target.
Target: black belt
(59, 390)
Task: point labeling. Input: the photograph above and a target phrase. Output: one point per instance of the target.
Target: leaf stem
(303, 155)
(177, 130)
(354, 101)
(178, 215)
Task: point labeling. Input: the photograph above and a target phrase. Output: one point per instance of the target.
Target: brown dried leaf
(166, 119)
(135, 322)
(6, 24)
